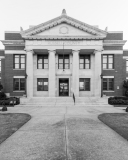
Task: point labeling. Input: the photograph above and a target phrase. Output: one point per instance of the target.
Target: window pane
(104, 66)
(16, 84)
(22, 84)
(105, 84)
(66, 60)
(126, 63)
(22, 59)
(39, 66)
(110, 66)
(39, 60)
(81, 86)
(22, 66)
(111, 59)
(45, 66)
(87, 84)
(111, 84)
(60, 60)
(104, 59)
(17, 66)
(60, 66)
(66, 66)
(86, 66)
(45, 60)
(16, 60)
(45, 86)
(87, 60)
(81, 66)
(81, 60)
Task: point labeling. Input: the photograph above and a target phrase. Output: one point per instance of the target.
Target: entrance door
(63, 87)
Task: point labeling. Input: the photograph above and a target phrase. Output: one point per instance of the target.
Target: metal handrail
(74, 98)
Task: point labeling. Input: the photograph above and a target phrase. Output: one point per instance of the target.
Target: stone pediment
(64, 27)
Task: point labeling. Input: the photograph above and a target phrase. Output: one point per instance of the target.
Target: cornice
(114, 42)
(63, 37)
(13, 42)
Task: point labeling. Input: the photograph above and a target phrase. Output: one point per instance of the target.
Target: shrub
(2, 96)
(118, 100)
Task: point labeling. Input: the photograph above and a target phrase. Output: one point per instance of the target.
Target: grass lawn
(117, 121)
(10, 123)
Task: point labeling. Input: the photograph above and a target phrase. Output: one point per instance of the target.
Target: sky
(104, 13)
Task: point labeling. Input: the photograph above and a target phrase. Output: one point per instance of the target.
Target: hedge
(118, 100)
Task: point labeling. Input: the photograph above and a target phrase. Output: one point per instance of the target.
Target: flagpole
(63, 56)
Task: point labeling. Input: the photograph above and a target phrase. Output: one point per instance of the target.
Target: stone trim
(13, 42)
(14, 52)
(114, 42)
(112, 52)
(108, 76)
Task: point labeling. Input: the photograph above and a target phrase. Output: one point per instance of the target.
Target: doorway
(63, 87)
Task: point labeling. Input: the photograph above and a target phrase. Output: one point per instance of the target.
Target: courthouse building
(63, 56)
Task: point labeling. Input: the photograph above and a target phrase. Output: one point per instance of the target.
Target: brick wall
(13, 36)
(114, 36)
(9, 73)
(118, 73)
(14, 47)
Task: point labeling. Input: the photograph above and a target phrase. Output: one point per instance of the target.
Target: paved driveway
(64, 133)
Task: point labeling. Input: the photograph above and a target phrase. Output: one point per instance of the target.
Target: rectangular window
(19, 84)
(108, 84)
(126, 65)
(0, 65)
(42, 84)
(19, 61)
(108, 62)
(42, 62)
(84, 84)
(84, 61)
(63, 62)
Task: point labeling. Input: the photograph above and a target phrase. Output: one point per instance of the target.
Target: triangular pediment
(63, 26)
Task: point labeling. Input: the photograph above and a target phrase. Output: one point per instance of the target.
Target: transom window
(84, 84)
(63, 62)
(126, 65)
(108, 62)
(19, 84)
(19, 61)
(42, 62)
(42, 84)
(108, 84)
(84, 61)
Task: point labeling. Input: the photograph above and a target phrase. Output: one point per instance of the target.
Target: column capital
(98, 50)
(29, 50)
(74, 51)
(53, 51)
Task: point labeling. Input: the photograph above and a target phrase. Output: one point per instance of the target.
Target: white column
(75, 73)
(29, 71)
(52, 73)
(97, 70)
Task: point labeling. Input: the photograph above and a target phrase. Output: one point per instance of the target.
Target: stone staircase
(63, 101)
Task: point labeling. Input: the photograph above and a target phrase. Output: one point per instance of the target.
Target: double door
(63, 87)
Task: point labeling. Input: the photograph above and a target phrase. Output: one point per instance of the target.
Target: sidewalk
(64, 133)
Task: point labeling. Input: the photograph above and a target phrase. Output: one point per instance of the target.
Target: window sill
(18, 69)
(84, 91)
(108, 91)
(42, 91)
(18, 91)
(109, 69)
